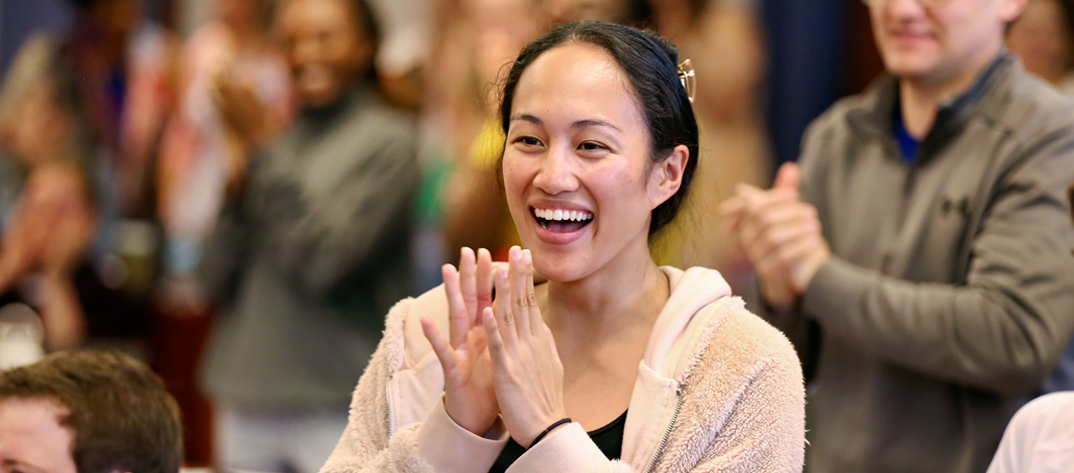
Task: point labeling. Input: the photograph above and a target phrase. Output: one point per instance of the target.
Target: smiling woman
(612, 364)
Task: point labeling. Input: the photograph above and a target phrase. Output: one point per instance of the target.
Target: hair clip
(686, 76)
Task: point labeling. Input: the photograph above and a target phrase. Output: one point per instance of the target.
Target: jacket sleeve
(1005, 328)
(567, 450)
(765, 431)
(337, 234)
(435, 445)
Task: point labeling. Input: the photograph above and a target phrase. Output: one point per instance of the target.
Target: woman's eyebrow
(576, 125)
(527, 118)
(595, 122)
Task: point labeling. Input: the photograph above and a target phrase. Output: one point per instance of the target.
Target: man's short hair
(122, 418)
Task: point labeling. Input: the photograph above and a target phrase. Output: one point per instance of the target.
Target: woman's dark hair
(651, 64)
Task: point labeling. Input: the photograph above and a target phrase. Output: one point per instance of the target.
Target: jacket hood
(681, 323)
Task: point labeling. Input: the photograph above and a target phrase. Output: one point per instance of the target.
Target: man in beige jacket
(922, 267)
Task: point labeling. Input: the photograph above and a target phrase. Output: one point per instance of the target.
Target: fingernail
(526, 257)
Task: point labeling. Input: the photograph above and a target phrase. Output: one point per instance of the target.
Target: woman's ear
(666, 176)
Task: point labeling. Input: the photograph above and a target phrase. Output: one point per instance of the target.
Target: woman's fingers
(505, 320)
(468, 282)
(440, 346)
(458, 318)
(537, 326)
(497, 351)
(484, 283)
(519, 299)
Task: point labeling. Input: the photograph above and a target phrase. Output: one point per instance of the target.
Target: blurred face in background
(502, 28)
(43, 130)
(1042, 39)
(934, 41)
(116, 18)
(32, 439)
(239, 14)
(557, 12)
(325, 47)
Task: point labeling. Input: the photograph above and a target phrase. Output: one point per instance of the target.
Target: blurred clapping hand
(247, 124)
(780, 234)
(49, 233)
(52, 225)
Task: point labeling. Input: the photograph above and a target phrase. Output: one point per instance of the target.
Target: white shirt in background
(1040, 437)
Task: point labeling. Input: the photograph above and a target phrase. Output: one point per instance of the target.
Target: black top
(609, 440)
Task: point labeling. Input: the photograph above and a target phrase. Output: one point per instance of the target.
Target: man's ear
(1010, 10)
(666, 176)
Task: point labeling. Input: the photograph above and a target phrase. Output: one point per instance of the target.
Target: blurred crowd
(284, 173)
(237, 205)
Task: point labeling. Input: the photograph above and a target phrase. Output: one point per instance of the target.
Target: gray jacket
(308, 261)
(951, 293)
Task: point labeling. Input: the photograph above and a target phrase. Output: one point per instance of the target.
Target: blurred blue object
(806, 45)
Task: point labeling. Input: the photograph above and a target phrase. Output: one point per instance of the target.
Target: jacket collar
(873, 116)
(698, 299)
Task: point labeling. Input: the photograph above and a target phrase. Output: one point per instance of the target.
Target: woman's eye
(528, 141)
(590, 146)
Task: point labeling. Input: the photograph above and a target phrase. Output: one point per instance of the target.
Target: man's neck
(920, 98)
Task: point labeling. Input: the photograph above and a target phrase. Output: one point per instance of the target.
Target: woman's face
(577, 171)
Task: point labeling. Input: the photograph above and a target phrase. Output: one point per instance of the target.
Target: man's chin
(909, 66)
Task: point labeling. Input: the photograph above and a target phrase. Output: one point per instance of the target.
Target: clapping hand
(469, 396)
(526, 368)
(780, 234)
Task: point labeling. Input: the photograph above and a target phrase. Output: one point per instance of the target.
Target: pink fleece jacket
(718, 390)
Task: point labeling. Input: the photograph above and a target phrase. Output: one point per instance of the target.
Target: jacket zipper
(388, 397)
(667, 433)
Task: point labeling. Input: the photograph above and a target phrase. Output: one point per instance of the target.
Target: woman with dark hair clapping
(612, 364)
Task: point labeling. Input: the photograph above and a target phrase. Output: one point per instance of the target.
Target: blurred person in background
(1040, 437)
(636, 13)
(484, 37)
(310, 249)
(1043, 38)
(45, 204)
(920, 257)
(88, 412)
(724, 40)
(117, 68)
(235, 94)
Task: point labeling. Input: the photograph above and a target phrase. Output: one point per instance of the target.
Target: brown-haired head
(121, 417)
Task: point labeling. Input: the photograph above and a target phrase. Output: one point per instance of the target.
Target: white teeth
(560, 214)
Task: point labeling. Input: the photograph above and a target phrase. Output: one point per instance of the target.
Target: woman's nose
(556, 174)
